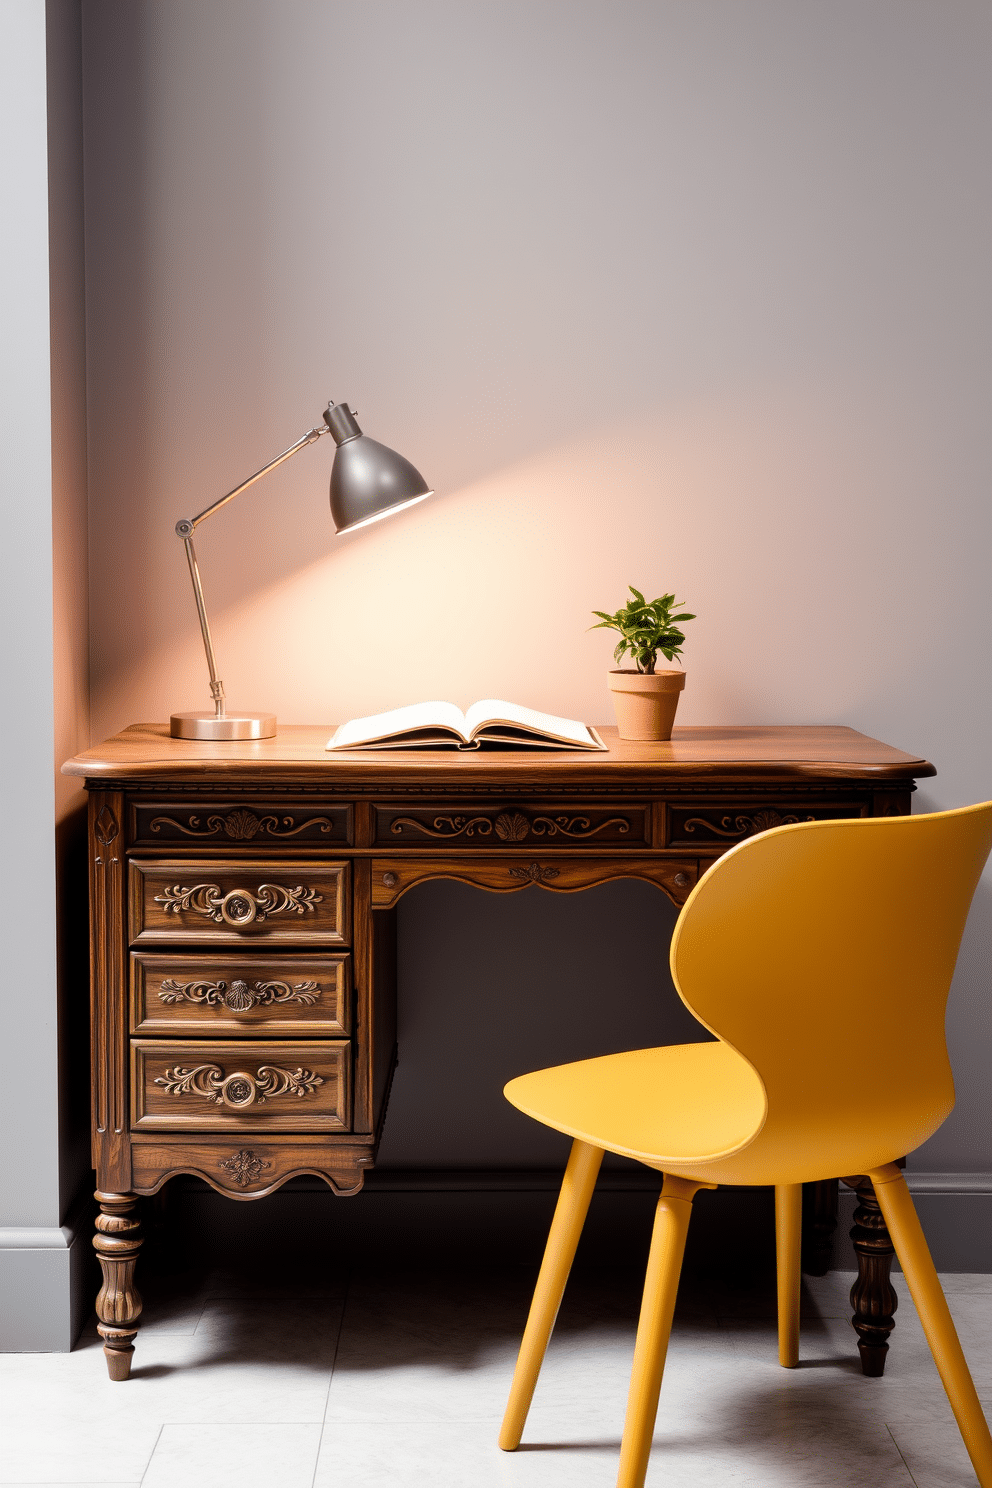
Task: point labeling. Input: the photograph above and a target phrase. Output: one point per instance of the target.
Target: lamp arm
(187, 525)
(185, 528)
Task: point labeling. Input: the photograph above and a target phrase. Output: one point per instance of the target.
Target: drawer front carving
(493, 827)
(710, 825)
(391, 877)
(239, 824)
(305, 903)
(196, 1085)
(239, 996)
(245, 1166)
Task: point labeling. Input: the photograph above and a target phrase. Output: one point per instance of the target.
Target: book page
(435, 715)
(497, 710)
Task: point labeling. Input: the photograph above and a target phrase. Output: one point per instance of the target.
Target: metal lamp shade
(369, 481)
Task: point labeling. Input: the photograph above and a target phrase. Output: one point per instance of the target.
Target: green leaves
(646, 627)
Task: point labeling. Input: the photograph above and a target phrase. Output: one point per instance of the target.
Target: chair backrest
(823, 953)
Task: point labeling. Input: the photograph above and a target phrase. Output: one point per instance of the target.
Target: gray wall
(42, 1252)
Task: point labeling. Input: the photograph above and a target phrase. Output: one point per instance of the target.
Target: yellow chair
(790, 945)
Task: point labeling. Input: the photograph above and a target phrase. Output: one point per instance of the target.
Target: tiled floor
(401, 1381)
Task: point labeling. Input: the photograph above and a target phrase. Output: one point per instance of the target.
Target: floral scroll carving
(576, 826)
(744, 826)
(509, 826)
(535, 873)
(241, 825)
(238, 907)
(240, 1089)
(238, 997)
(244, 1167)
(445, 826)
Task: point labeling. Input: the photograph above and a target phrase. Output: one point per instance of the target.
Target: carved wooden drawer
(605, 824)
(240, 824)
(391, 877)
(712, 824)
(196, 1085)
(226, 902)
(236, 996)
(246, 1167)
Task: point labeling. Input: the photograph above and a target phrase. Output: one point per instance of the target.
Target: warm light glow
(401, 506)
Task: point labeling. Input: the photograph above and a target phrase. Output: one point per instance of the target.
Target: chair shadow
(611, 1444)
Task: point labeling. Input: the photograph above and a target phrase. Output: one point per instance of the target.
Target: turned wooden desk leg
(118, 1306)
(872, 1296)
(819, 1223)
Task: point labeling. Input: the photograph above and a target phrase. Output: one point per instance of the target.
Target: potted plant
(644, 698)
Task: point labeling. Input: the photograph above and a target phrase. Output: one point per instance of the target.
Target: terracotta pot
(645, 702)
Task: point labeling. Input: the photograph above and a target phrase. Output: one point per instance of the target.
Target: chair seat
(669, 1107)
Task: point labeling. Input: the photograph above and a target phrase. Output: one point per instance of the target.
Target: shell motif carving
(238, 997)
(241, 825)
(511, 826)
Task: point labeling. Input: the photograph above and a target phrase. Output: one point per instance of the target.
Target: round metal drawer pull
(239, 1090)
(681, 879)
(390, 880)
(238, 908)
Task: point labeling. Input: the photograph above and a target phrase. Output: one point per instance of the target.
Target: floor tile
(933, 1450)
(966, 1284)
(234, 1456)
(409, 1375)
(245, 1363)
(417, 1454)
(44, 1446)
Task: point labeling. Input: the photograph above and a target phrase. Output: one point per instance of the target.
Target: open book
(442, 725)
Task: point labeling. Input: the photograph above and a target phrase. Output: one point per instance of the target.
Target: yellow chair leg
(566, 1227)
(661, 1284)
(914, 1256)
(788, 1240)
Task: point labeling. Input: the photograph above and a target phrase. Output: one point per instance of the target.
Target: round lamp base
(231, 726)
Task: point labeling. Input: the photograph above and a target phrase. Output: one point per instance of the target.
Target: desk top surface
(145, 751)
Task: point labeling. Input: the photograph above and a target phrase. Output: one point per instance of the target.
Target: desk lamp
(368, 481)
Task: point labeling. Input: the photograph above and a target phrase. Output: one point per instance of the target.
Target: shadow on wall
(493, 985)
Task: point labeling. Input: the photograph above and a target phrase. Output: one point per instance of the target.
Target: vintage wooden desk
(242, 931)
